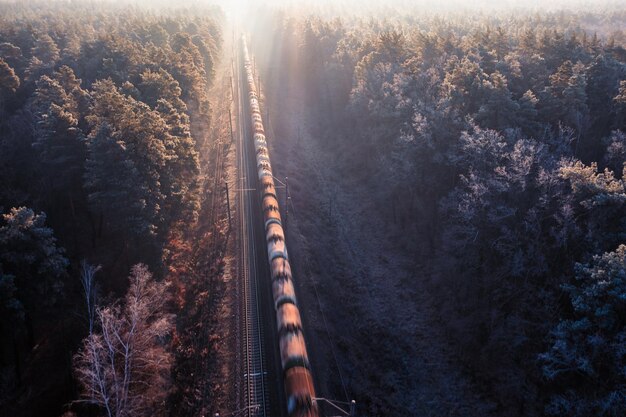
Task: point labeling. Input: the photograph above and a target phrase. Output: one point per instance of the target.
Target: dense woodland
(103, 112)
(495, 141)
(498, 142)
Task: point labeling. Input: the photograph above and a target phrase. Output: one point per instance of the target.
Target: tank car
(284, 293)
(299, 386)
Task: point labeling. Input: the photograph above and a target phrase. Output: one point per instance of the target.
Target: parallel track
(255, 387)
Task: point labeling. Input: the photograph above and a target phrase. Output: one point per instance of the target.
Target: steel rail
(255, 374)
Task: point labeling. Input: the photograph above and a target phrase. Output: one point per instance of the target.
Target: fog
(362, 6)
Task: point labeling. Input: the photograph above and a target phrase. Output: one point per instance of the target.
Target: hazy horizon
(409, 5)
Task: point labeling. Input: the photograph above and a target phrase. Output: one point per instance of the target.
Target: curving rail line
(298, 381)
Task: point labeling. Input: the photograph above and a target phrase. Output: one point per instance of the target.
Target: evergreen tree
(587, 360)
(599, 203)
(527, 115)
(9, 83)
(500, 110)
(114, 185)
(46, 50)
(28, 251)
(58, 106)
(155, 86)
(61, 145)
(601, 87)
(464, 85)
(575, 100)
(615, 154)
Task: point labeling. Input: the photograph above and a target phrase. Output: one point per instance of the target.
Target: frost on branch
(124, 366)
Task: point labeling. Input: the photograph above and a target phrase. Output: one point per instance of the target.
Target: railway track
(254, 384)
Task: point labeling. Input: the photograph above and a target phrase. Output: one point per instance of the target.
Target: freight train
(298, 381)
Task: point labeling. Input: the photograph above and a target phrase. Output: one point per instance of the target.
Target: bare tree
(87, 278)
(125, 367)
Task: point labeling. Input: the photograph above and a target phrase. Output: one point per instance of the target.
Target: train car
(270, 209)
(280, 269)
(299, 387)
(258, 128)
(263, 161)
(288, 318)
(260, 141)
(284, 293)
(264, 164)
(264, 173)
(276, 249)
(293, 350)
(267, 187)
(261, 151)
(274, 231)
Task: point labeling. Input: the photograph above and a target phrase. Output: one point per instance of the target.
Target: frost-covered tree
(620, 98)
(155, 86)
(9, 83)
(376, 95)
(587, 361)
(61, 145)
(187, 67)
(29, 251)
(463, 87)
(114, 186)
(124, 366)
(599, 200)
(500, 110)
(59, 106)
(615, 154)
(46, 50)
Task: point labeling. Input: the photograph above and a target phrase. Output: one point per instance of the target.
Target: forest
(465, 167)
(493, 146)
(104, 112)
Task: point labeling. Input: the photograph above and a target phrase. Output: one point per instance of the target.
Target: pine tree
(587, 360)
(464, 86)
(28, 251)
(114, 186)
(500, 110)
(528, 41)
(46, 50)
(58, 106)
(599, 199)
(527, 115)
(78, 100)
(61, 146)
(207, 56)
(9, 83)
(602, 81)
(155, 86)
(615, 154)
(575, 100)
